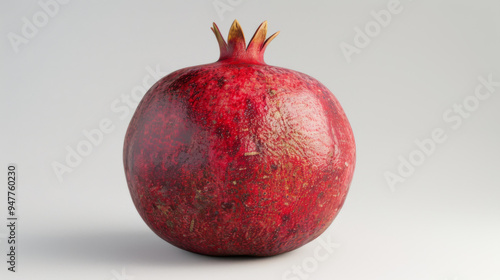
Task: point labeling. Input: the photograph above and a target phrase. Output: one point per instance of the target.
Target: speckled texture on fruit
(238, 158)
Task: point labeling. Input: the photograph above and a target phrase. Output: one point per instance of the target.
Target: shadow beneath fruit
(120, 249)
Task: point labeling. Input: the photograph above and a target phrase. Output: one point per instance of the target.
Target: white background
(442, 222)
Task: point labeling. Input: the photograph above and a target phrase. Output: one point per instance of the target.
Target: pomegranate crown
(236, 50)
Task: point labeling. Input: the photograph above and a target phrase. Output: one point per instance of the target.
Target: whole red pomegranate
(238, 157)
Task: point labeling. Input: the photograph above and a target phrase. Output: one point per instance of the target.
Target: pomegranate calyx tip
(236, 50)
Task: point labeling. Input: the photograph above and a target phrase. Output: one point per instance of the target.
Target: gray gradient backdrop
(81, 62)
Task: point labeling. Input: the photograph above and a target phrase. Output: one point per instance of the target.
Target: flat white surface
(442, 222)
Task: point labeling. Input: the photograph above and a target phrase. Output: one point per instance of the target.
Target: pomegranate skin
(238, 158)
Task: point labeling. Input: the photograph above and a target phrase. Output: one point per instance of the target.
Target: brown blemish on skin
(191, 227)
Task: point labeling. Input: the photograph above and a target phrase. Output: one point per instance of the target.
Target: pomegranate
(238, 157)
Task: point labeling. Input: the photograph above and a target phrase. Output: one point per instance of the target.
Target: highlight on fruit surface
(238, 157)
